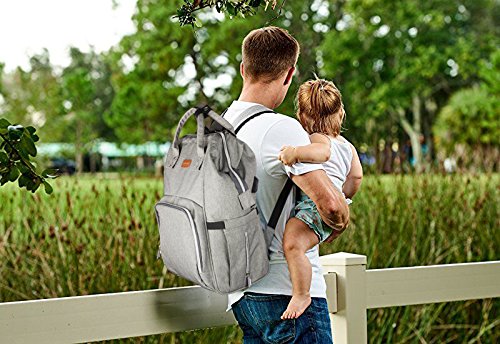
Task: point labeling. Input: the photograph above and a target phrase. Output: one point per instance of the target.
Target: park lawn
(98, 235)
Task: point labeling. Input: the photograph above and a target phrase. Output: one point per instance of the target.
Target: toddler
(321, 113)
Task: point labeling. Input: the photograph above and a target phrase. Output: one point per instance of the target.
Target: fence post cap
(343, 259)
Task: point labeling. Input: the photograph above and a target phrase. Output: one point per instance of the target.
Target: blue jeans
(259, 316)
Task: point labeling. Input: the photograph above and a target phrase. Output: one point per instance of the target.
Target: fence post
(349, 322)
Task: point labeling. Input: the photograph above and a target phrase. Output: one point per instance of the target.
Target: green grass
(97, 236)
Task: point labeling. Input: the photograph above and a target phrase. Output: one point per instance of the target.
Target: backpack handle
(200, 130)
(219, 119)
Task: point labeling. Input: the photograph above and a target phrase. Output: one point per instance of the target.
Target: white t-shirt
(265, 135)
(338, 165)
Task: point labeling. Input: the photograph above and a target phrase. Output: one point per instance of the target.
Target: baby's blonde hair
(320, 108)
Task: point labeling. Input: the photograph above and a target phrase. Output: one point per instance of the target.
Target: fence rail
(430, 284)
(351, 290)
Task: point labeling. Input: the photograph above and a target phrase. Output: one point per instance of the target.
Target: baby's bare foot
(296, 306)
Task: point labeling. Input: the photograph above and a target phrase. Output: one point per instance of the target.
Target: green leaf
(13, 174)
(37, 185)
(15, 131)
(50, 173)
(255, 3)
(231, 9)
(48, 187)
(23, 168)
(22, 151)
(31, 129)
(23, 180)
(29, 184)
(4, 179)
(28, 144)
(4, 123)
(3, 158)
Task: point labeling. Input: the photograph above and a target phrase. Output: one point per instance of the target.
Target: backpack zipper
(226, 152)
(249, 281)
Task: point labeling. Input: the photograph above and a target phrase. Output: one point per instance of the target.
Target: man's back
(265, 135)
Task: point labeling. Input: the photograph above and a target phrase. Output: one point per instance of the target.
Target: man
(268, 63)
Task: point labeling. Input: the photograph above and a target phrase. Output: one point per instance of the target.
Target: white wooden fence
(351, 291)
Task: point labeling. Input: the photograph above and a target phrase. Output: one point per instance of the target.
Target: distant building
(106, 156)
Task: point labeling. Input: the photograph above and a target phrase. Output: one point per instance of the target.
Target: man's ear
(242, 69)
(289, 76)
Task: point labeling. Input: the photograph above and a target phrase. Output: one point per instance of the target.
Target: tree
(87, 95)
(162, 69)
(34, 95)
(242, 8)
(307, 23)
(403, 60)
(470, 119)
(17, 143)
(149, 74)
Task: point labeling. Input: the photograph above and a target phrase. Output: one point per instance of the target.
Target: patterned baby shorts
(306, 211)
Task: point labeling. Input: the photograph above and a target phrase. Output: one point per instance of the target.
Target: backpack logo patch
(186, 163)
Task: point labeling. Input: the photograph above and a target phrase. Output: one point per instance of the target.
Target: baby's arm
(317, 152)
(353, 179)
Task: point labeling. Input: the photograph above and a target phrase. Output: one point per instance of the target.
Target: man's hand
(288, 155)
(335, 234)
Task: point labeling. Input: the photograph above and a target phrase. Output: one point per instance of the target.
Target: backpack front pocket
(182, 237)
(238, 252)
(229, 248)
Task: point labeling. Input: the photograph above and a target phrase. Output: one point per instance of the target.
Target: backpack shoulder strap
(248, 119)
(280, 203)
(245, 117)
(249, 114)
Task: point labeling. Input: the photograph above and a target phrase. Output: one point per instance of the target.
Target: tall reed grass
(99, 235)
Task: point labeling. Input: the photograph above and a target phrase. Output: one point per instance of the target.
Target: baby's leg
(297, 239)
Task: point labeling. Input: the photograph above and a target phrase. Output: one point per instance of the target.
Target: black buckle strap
(236, 130)
(280, 203)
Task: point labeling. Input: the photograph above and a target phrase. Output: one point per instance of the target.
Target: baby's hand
(288, 155)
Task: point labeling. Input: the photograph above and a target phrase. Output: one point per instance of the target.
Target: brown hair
(320, 108)
(268, 53)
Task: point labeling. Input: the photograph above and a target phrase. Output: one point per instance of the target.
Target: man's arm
(330, 202)
(311, 178)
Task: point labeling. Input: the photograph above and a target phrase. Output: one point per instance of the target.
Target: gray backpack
(210, 232)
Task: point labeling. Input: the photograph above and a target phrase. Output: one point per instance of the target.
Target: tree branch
(28, 165)
(279, 12)
(404, 122)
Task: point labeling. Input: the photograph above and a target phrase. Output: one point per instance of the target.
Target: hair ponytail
(320, 108)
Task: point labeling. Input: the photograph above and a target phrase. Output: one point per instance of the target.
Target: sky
(28, 26)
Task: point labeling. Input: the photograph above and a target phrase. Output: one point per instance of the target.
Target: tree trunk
(414, 131)
(140, 162)
(78, 147)
(93, 162)
(430, 109)
(387, 162)
(376, 152)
